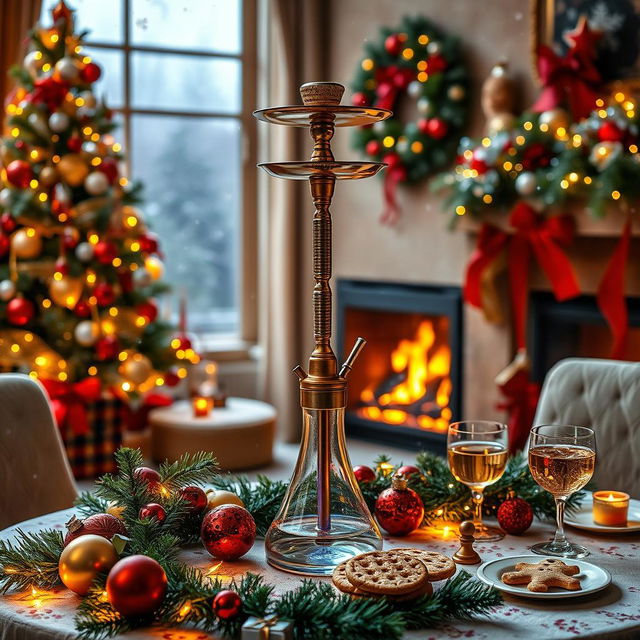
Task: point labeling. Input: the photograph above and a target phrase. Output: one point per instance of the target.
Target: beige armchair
(604, 395)
(35, 477)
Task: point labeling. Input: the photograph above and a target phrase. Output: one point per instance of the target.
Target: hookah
(323, 519)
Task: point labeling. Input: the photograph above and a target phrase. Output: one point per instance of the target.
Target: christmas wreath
(419, 60)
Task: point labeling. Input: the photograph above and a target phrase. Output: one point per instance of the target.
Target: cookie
(340, 580)
(540, 576)
(425, 590)
(439, 567)
(386, 572)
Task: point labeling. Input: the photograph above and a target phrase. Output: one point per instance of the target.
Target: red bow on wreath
(69, 402)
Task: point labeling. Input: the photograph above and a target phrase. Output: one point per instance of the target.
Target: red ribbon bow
(571, 79)
(389, 81)
(69, 402)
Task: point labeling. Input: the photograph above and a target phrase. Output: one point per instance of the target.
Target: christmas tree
(78, 267)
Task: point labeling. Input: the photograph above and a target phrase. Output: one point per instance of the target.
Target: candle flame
(610, 497)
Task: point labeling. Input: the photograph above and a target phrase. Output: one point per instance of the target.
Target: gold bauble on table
(83, 559)
(26, 243)
(136, 368)
(73, 169)
(66, 291)
(218, 497)
(555, 119)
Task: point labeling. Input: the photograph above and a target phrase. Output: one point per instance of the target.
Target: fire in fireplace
(406, 387)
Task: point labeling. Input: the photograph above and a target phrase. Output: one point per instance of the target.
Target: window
(180, 77)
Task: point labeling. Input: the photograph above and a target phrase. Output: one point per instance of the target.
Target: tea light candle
(610, 508)
(201, 406)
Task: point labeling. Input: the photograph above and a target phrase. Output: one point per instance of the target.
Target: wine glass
(561, 459)
(477, 452)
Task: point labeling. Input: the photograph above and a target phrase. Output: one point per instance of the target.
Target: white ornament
(58, 121)
(142, 278)
(477, 191)
(96, 183)
(402, 145)
(84, 251)
(379, 127)
(7, 290)
(89, 146)
(526, 183)
(33, 62)
(5, 197)
(67, 69)
(434, 48)
(414, 89)
(87, 332)
(89, 99)
(85, 113)
(424, 106)
(62, 193)
(38, 123)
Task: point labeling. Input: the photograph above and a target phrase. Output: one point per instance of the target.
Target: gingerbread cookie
(540, 576)
(386, 573)
(439, 567)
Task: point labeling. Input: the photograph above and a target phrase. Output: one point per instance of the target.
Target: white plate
(591, 578)
(583, 518)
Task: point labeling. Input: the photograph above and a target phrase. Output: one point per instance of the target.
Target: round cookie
(340, 580)
(424, 590)
(386, 572)
(439, 566)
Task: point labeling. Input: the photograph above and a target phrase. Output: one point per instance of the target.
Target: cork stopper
(399, 482)
(321, 93)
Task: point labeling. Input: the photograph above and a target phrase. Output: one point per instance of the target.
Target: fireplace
(574, 328)
(406, 387)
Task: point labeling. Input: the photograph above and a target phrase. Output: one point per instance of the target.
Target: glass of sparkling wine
(562, 459)
(477, 452)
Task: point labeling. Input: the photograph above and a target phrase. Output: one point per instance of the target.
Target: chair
(35, 476)
(604, 395)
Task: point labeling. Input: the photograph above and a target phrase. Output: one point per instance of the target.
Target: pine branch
(197, 469)
(89, 504)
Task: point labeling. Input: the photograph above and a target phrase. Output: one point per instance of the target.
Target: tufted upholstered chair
(35, 477)
(603, 395)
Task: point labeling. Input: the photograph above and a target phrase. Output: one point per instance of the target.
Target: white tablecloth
(611, 613)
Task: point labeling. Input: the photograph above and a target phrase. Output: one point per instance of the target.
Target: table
(611, 613)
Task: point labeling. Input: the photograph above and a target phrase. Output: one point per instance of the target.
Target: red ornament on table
(515, 515)
(153, 510)
(19, 174)
(99, 524)
(148, 475)
(195, 497)
(8, 222)
(611, 132)
(399, 510)
(437, 128)
(104, 293)
(136, 586)
(227, 604)
(20, 312)
(107, 348)
(408, 470)
(90, 72)
(147, 310)
(82, 309)
(228, 532)
(364, 473)
(105, 252)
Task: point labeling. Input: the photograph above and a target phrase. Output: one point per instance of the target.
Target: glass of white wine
(561, 459)
(477, 452)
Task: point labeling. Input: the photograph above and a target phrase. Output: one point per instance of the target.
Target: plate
(582, 518)
(591, 578)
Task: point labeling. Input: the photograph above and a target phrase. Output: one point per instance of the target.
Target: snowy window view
(172, 72)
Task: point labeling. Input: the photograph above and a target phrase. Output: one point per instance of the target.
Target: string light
(423, 39)
(564, 184)
(417, 146)
(92, 370)
(573, 177)
(520, 139)
(388, 141)
(615, 195)
(487, 198)
(423, 76)
(599, 102)
(33, 184)
(528, 125)
(486, 142)
(460, 210)
(544, 127)
(407, 53)
(587, 180)
(367, 64)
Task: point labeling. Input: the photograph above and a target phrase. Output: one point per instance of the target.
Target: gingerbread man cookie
(542, 575)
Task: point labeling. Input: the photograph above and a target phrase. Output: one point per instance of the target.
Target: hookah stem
(324, 466)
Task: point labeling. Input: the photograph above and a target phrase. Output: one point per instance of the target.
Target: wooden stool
(240, 435)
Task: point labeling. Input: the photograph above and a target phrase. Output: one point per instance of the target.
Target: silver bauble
(67, 69)
(379, 127)
(85, 113)
(5, 197)
(434, 48)
(58, 121)
(7, 290)
(424, 106)
(526, 183)
(414, 89)
(87, 333)
(84, 251)
(96, 183)
(142, 278)
(39, 124)
(89, 99)
(33, 62)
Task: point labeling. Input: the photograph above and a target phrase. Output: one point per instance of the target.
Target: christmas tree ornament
(154, 267)
(20, 311)
(149, 476)
(147, 310)
(393, 43)
(498, 99)
(7, 222)
(228, 532)
(5, 244)
(82, 309)
(555, 119)
(26, 243)
(73, 169)
(88, 98)
(399, 510)
(141, 278)
(148, 243)
(62, 195)
(363, 473)
(86, 333)
(83, 559)
(466, 554)
(408, 470)
(219, 497)
(67, 69)
(153, 510)
(109, 166)
(609, 131)
(604, 154)
(434, 48)
(96, 183)
(38, 123)
(5, 197)
(74, 144)
(136, 368)
(48, 176)
(99, 524)
(136, 586)
(526, 183)
(515, 515)
(227, 604)
(105, 252)
(373, 147)
(437, 128)
(19, 174)
(59, 121)
(424, 106)
(195, 497)
(7, 290)
(107, 348)
(90, 72)
(84, 251)
(33, 62)
(104, 293)
(414, 89)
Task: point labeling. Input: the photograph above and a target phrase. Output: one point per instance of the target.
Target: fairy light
(564, 184)
(15, 348)
(33, 184)
(520, 140)
(175, 343)
(417, 146)
(573, 177)
(62, 376)
(159, 381)
(46, 303)
(28, 337)
(599, 102)
(116, 147)
(96, 161)
(615, 194)
(602, 113)
(15, 132)
(34, 154)
(619, 96)
(577, 140)
(86, 59)
(55, 159)
(63, 217)
(517, 166)
(41, 361)
(487, 198)
(507, 166)
(388, 141)
(422, 65)
(423, 76)
(544, 127)
(367, 64)
(184, 611)
(54, 37)
(116, 262)
(135, 246)
(93, 238)
(587, 180)
(467, 154)
(561, 132)
(46, 67)
(407, 53)
(79, 102)
(91, 277)
(486, 142)
(633, 148)
(95, 137)
(528, 125)
(87, 131)
(123, 182)
(34, 376)
(423, 39)
(181, 373)
(126, 386)
(122, 356)
(93, 300)
(43, 197)
(460, 210)
(92, 370)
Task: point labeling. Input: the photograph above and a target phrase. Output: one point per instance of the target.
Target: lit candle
(201, 406)
(610, 508)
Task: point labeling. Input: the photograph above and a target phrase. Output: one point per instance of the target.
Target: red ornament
(437, 128)
(359, 99)
(153, 510)
(109, 166)
(195, 497)
(610, 132)
(423, 126)
(183, 343)
(74, 143)
(90, 72)
(50, 91)
(364, 473)
(99, 524)
(147, 310)
(70, 236)
(20, 145)
(436, 63)
(148, 243)
(104, 293)
(392, 159)
(107, 348)
(227, 604)
(373, 147)
(82, 309)
(136, 586)
(7, 222)
(20, 311)
(393, 43)
(61, 266)
(399, 510)
(105, 252)
(228, 532)
(408, 470)
(515, 515)
(171, 379)
(19, 173)
(126, 281)
(5, 244)
(478, 161)
(148, 475)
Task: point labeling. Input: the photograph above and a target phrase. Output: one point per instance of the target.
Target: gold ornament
(114, 509)
(218, 497)
(154, 266)
(38, 154)
(73, 169)
(26, 243)
(604, 153)
(49, 176)
(136, 368)
(66, 291)
(556, 119)
(83, 559)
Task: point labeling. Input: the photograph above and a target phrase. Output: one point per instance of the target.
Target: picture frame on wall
(618, 21)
